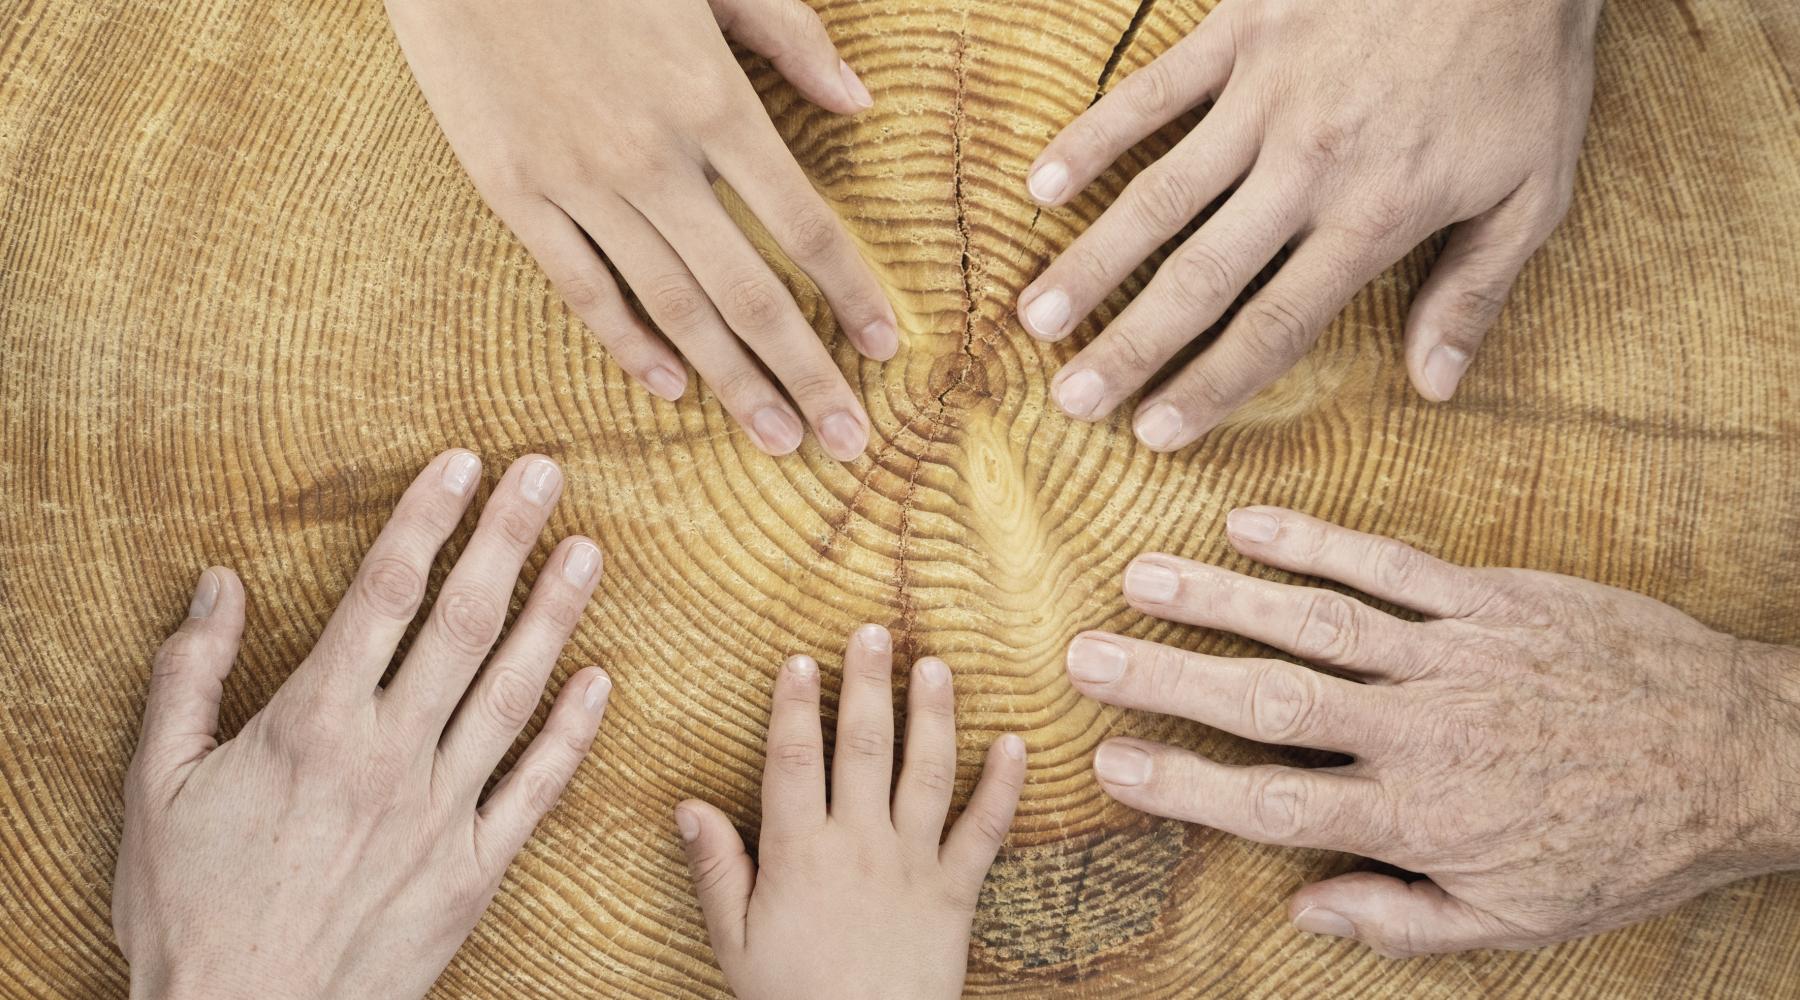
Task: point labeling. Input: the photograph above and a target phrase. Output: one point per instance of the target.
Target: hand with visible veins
(1346, 133)
(339, 846)
(1557, 757)
(859, 898)
(597, 127)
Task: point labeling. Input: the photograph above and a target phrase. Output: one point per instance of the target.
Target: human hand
(858, 900)
(1559, 757)
(597, 127)
(338, 846)
(1351, 131)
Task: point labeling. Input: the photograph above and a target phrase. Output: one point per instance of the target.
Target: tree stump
(246, 291)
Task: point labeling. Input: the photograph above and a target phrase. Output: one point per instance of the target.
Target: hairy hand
(858, 899)
(339, 846)
(1346, 132)
(601, 124)
(1557, 756)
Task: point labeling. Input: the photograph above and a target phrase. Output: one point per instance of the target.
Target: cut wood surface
(246, 291)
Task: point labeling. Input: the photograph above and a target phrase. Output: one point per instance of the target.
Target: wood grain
(245, 291)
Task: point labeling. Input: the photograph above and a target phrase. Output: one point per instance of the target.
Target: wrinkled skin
(339, 847)
(857, 899)
(1347, 133)
(598, 126)
(1558, 757)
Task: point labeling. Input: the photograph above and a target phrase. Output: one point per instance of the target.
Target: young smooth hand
(598, 126)
(339, 845)
(856, 899)
(1346, 132)
(1557, 756)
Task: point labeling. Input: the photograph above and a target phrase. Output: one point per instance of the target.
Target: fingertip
(1441, 372)
(688, 817)
(1011, 747)
(933, 672)
(801, 669)
(596, 691)
(873, 638)
(855, 92)
(665, 383)
(1048, 182)
(1252, 525)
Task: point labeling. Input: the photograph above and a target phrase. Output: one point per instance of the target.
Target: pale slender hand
(1345, 132)
(858, 899)
(598, 126)
(1557, 756)
(339, 846)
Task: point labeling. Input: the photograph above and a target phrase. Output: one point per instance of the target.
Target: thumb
(723, 874)
(1396, 918)
(1468, 287)
(181, 712)
(791, 36)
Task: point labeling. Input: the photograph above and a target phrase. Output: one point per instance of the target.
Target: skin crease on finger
(615, 146)
(1405, 117)
(1559, 757)
(339, 846)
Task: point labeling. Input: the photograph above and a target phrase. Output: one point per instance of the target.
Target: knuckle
(1473, 309)
(512, 698)
(864, 743)
(710, 872)
(1165, 199)
(812, 233)
(1203, 276)
(1275, 334)
(796, 757)
(1134, 350)
(1329, 629)
(1383, 218)
(990, 826)
(540, 790)
(470, 619)
(304, 735)
(934, 772)
(676, 302)
(178, 654)
(586, 292)
(564, 614)
(1283, 704)
(392, 586)
(739, 382)
(1324, 145)
(1091, 262)
(1205, 390)
(1278, 804)
(815, 383)
(1397, 566)
(1151, 90)
(754, 301)
(517, 525)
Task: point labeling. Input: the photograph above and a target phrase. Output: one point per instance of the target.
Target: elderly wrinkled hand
(1556, 756)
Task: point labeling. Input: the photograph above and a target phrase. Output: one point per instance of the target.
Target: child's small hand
(858, 900)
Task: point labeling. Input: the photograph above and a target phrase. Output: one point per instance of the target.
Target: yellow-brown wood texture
(245, 291)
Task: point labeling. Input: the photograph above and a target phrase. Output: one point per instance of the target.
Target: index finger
(793, 792)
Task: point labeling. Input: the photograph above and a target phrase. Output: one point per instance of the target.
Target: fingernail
(1251, 526)
(540, 480)
(802, 667)
(1160, 426)
(777, 429)
(687, 823)
(1079, 395)
(843, 436)
(881, 340)
(1046, 183)
(1313, 920)
(460, 473)
(1012, 746)
(934, 671)
(1444, 368)
(206, 594)
(1151, 582)
(1119, 764)
(581, 562)
(874, 638)
(853, 87)
(1095, 661)
(597, 690)
(1048, 314)
(665, 383)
